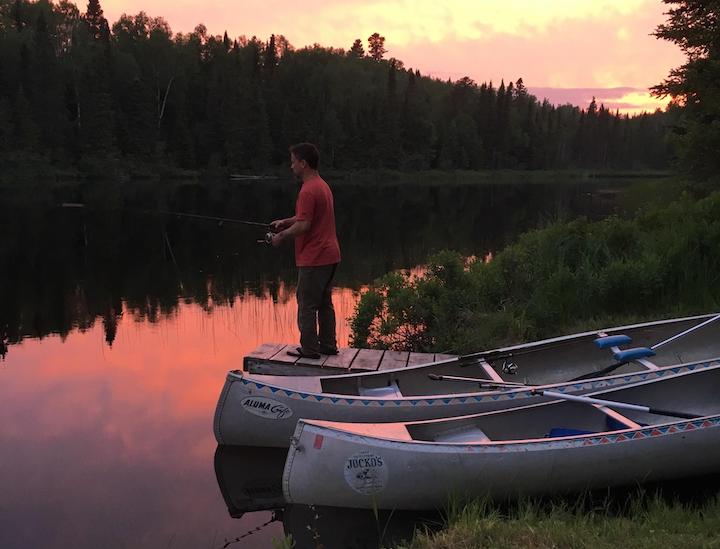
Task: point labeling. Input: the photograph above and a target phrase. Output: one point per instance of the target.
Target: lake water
(118, 325)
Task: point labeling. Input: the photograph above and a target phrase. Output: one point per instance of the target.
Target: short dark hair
(307, 152)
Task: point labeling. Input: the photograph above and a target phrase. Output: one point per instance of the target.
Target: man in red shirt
(317, 253)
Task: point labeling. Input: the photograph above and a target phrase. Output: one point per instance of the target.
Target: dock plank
(343, 359)
(282, 356)
(266, 350)
(394, 359)
(312, 361)
(416, 359)
(367, 359)
(442, 356)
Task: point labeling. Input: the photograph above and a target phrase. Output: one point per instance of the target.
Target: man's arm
(296, 229)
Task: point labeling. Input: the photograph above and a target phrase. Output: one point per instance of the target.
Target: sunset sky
(565, 50)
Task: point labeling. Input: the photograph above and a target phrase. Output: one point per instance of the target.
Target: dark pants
(315, 308)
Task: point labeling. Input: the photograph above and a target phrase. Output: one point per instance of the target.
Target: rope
(273, 518)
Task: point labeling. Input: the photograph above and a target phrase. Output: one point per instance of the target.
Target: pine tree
(18, 15)
(376, 46)
(47, 96)
(96, 22)
(270, 60)
(331, 136)
(694, 25)
(6, 124)
(140, 120)
(26, 131)
(356, 50)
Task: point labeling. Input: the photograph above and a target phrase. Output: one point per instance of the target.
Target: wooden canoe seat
(490, 371)
(389, 391)
(615, 420)
(472, 434)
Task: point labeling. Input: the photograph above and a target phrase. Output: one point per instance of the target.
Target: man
(317, 253)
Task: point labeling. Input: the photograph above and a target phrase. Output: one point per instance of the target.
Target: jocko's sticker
(366, 473)
(266, 407)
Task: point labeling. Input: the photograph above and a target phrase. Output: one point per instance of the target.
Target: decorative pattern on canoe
(494, 396)
(598, 439)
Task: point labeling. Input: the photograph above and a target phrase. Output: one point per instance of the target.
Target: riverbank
(20, 168)
(645, 521)
(567, 277)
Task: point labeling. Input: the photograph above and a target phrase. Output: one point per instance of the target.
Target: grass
(645, 521)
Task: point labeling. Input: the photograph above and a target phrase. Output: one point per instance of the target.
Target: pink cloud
(625, 99)
(570, 54)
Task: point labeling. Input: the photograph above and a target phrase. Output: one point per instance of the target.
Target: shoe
(328, 350)
(304, 353)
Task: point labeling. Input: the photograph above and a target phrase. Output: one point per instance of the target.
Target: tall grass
(643, 522)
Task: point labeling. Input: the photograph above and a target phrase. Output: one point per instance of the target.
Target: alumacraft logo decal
(366, 473)
(266, 407)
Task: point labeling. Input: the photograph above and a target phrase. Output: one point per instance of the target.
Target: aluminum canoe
(261, 410)
(548, 448)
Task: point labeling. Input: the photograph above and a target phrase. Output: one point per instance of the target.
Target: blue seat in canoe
(567, 432)
(612, 341)
(633, 354)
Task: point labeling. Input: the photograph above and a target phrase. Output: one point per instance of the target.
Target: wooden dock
(272, 358)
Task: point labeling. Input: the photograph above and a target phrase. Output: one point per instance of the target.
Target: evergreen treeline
(73, 87)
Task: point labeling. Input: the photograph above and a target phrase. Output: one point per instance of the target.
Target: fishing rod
(220, 220)
(181, 214)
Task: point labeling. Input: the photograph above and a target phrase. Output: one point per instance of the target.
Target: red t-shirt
(319, 246)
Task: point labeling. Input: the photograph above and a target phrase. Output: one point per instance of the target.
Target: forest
(75, 88)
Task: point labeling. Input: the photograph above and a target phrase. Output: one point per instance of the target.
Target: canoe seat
(612, 341)
(613, 422)
(635, 353)
(389, 391)
(567, 432)
(472, 434)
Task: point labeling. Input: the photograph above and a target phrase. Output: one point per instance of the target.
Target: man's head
(304, 157)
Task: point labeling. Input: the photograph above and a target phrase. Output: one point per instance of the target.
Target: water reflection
(250, 479)
(65, 268)
(112, 446)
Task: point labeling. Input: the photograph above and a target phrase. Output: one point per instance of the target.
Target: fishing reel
(509, 368)
(267, 239)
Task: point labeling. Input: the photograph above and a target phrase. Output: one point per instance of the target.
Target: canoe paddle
(681, 334)
(481, 381)
(615, 404)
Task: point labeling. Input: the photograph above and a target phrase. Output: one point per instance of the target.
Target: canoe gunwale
(345, 429)
(601, 383)
(526, 347)
(320, 428)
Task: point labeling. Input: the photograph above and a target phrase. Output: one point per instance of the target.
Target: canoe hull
(367, 472)
(256, 413)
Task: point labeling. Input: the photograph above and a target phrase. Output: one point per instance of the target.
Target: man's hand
(281, 224)
(277, 239)
(293, 230)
